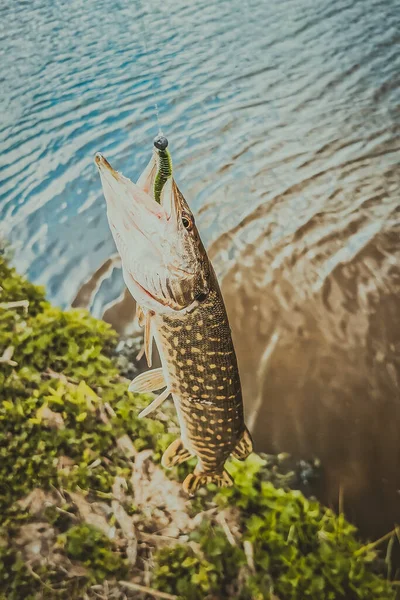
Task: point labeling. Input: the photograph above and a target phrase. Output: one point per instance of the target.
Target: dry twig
(249, 553)
(220, 518)
(16, 304)
(146, 590)
(7, 356)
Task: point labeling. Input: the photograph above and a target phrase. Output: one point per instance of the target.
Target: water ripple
(283, 124)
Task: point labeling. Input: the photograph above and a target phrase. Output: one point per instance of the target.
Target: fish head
(165, 265)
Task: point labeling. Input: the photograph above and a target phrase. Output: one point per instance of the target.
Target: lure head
(160, 142)
(165, 265)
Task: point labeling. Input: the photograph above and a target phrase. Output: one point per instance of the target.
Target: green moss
(54, 425)
(64, 371)
(299, 549)
(192, 575)
(88, 545)
(15, 579)
(63, 408)
(21, 581)
(15, 288)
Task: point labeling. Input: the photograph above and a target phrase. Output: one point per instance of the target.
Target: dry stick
(222, 521)
(341, 500)
(146, 590)
(156, 538)
(249, 553)
(7, 356)
(199, 517)
(15, 304)
(373, 545)
(388, 557)
(110, 409)
(340, 512)
(66, 513)
(36, 576)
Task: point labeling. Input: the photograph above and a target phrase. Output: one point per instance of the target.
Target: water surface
(283, 120)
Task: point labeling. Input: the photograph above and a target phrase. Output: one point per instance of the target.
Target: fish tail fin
(244, 447)
(194, 481)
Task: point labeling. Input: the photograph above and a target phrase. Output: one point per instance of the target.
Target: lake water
(283, 121)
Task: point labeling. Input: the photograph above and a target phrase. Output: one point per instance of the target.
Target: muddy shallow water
(283, 120)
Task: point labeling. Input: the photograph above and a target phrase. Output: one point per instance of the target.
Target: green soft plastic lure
(164, 166)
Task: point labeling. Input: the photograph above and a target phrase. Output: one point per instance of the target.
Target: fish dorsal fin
(155, 404)
(148, 337)
(148, 382)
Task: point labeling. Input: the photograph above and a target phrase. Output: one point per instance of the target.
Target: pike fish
(167, 271)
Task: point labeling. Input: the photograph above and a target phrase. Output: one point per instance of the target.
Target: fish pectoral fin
(148, 337)
(148, 382)
(194, 481)
(175, 454)
(244, 447)
(155, 404)
(144, 320)
(139, 315)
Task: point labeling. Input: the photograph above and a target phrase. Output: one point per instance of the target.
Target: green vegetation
(86, 508)
(50, 393)
(291, 548)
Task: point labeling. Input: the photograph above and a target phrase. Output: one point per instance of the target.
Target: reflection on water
(282, 123)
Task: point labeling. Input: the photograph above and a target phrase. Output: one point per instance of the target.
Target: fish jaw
(148, 177)
(160, 265)
(135, 220)
(127, 202)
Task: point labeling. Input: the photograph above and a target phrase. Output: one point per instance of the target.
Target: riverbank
(87, 511)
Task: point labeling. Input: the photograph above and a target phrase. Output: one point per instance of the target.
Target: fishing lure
(164, 166)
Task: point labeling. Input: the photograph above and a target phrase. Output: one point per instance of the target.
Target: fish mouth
(128, 205)
(141, 192)
(103, 163)
(139, 226)
(122, 186)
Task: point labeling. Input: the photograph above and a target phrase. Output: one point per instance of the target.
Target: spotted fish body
(167, 271)
(199, 359)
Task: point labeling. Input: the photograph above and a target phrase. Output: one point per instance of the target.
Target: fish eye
(201, 297)
(187, 222)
